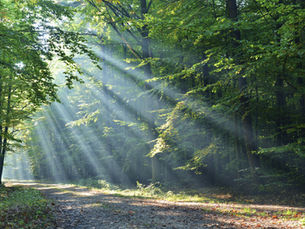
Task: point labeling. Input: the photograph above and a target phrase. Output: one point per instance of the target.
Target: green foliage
(28, 42)
(151, 189)
(94, 183)
(186, 88)
(24, 208)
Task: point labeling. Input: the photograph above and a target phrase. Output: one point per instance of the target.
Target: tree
(223, 97)
(28, 42)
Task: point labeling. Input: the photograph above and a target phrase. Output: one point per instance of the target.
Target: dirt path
(83, 208)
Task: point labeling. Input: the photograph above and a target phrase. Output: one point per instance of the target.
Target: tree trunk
(281, 117)
(146, 53)
(155, 169)
(1, 166)
(246, 119)
(1, 139)
(4, 142)
(300, 80)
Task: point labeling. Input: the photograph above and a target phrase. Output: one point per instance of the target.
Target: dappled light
(152, 114)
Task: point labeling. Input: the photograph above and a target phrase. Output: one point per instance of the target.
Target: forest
(174, 94)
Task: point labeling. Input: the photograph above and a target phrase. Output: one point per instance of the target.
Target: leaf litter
(76, 207)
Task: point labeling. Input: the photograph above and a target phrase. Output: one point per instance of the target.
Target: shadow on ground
(77, 207)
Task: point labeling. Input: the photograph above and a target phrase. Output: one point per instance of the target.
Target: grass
(303, 221)
(203, 195)
(30, 209)
(24, 208)
(151, 191)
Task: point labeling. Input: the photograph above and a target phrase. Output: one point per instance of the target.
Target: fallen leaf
(131, 212)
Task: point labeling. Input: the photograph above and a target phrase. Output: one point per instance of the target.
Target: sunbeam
(46, 143)
(178, 100)
(17, 167)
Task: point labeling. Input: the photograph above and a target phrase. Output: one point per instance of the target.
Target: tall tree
(245, 106)
(28, 42)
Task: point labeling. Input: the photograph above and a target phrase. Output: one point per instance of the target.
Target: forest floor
(80, 207)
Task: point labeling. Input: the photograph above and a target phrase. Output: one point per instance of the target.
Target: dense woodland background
(180, 92)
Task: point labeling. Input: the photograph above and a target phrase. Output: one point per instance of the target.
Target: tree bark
(1, 166)
(246, 119)
(281, 117)
(1, 129)
(4, 139)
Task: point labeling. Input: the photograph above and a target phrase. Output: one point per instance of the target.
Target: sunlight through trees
(176, 92)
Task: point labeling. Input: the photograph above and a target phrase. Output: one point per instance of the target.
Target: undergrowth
(24, 208)
(205, 194)
(212, 196)
(153, 190)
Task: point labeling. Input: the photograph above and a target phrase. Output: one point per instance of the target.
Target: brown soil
(76, 207)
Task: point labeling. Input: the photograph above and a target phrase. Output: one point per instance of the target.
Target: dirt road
(77, 207)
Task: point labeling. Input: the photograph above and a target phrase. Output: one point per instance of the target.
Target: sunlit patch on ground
(105, 208)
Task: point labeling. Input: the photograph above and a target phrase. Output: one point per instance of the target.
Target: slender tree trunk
(237, 144)
(281, 117)
(1, 165)
(156, 164)
(5, 133)
(146, 53)
(155, 169)
(246, 119)
(3, 152)
(1, 129)
(300, 80)
(146, 50)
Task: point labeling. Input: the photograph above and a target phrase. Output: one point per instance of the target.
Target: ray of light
(57, 171)
(17, 167)
(173, 95)
(86, 147)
